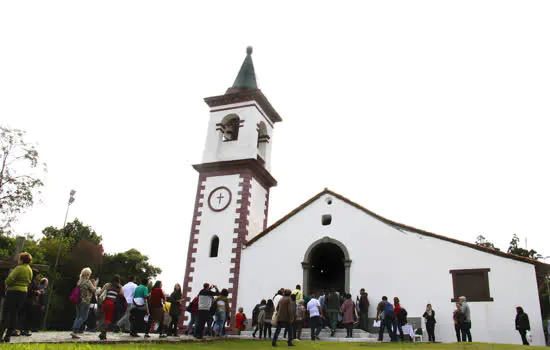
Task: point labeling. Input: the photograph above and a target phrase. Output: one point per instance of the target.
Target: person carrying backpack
(388, 321)
(401, 316)
(332, 302)
(204, 313)
(81, 296)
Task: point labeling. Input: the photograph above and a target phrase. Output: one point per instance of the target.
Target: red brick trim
(192, 248)
(247, 170)
(260, 173)
(239, 238)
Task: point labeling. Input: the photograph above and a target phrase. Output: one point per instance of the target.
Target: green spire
(246, 79)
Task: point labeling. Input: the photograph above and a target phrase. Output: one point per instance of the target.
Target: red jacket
(396, 309)
(240, 321)
(157, 296)
(195, 306)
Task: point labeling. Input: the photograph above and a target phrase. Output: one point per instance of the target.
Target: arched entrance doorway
(326, 265)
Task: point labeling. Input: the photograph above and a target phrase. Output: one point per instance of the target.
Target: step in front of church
(340, 335)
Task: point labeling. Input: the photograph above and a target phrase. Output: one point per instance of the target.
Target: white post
(71, 200)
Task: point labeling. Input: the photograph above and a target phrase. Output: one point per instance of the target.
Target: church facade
(331, 241)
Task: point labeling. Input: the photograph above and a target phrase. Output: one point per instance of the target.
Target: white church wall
(257, 209)
(245, 147)
(391, 262)
(215, 270)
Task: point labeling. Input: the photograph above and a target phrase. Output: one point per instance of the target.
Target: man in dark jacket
(205, 303)
(522, 324)
(363, 309)
(285, 317)
(255, 314)
(332, 302)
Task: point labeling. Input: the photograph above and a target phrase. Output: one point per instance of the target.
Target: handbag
(74, 298)
(529, 336)
(275, 317)
(213, 307)
(102, 297)
(167, 306)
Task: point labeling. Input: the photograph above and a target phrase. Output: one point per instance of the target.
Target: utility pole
(71, 201)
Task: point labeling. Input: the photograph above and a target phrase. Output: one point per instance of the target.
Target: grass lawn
(249, 344)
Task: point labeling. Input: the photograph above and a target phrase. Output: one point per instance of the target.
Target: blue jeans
(220, 322)
(82, 310)
(191, 324)
(390, 323)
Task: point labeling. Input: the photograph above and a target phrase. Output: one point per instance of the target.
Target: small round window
(329, 200)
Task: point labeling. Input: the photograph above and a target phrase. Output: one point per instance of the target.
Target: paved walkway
(86, 337)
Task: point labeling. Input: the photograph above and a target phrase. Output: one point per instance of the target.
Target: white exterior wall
(207, 269)
(257, 209)
(391, 262)
(245, 147)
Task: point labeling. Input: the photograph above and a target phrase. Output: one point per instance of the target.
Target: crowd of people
(131, 308)
(293, 311)
(135, 308)
(210, 313)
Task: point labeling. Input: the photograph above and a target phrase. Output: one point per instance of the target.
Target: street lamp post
(71, 200)
(547, 280)
(547, 291)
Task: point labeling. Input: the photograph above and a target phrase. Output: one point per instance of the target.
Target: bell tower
(232, 198)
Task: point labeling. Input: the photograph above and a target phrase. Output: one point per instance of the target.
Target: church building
(332, 242)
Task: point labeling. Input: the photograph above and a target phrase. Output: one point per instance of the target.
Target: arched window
(214, 245)
(263, 139)
(229, 127)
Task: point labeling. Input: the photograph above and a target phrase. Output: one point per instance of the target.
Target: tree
(127, 264)
(81, 246)
(19, 176)
(517, 250)
(482, 241)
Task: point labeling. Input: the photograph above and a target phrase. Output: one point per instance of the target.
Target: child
(241, 321)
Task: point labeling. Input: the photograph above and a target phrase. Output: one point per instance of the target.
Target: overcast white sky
(430, 113)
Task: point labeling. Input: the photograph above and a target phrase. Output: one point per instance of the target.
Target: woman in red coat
(348, 310)
(397, 310)
(156, 305)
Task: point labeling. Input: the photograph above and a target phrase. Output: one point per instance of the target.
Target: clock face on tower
(219, 198)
